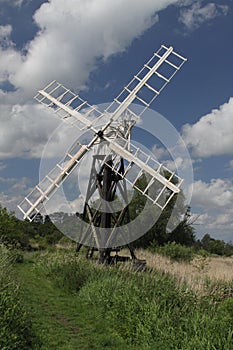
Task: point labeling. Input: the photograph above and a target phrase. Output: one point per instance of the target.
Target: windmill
(117, 163)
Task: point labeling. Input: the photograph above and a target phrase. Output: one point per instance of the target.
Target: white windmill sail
(32, 204)
(144, 88)
(148, 83)
(67, 105)
(161, 185)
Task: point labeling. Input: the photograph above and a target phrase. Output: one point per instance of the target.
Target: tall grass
(15, 326)
(204, 275)
(149, 309)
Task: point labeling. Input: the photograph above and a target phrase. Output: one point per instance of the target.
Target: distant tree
(184, 233)
(49, 232)
(14, 232)
(205, 242)
(20, 234)
(228, 251)
(216, 246)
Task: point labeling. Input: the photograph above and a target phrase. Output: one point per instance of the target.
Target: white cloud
(73, 35)
(231, 164)
(174, 164)
(5, 31)
(212, 134)
(195, 16)
(159, 152)
(212, 203)
(217, 224)
(23, 132)
(216, 194)
(14, 190)
(2, 166)
(10, 63)
(10, 59)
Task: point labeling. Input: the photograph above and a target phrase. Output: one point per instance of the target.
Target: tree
(184, 233)
(13, 232)
(206, 242)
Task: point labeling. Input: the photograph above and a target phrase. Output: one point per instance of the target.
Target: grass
(60, 320)
(76, 304)
(15, 324)
(202, 274)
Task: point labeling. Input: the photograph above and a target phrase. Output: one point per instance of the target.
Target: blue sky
(95, 47)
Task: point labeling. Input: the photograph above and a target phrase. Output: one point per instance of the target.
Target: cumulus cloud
(5, 32)
(12, 190)
(10, 59)
(159, 152)
(23, 132)
(10, 63)
(74, 34)
(212, 134)
(197, 14)
(212, 203)
(72, 37)
(216, 194)
(220, 224)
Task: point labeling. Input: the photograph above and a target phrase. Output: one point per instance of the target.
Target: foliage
(13, 232)
(15, 325)
(175, 251)
(215, 246)
(146, 310)
(160, 232)
(25, 235)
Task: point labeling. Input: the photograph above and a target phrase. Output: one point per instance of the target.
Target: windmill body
(121, 164)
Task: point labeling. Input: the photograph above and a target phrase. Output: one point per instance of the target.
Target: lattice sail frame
(143, 88)
(162, 183)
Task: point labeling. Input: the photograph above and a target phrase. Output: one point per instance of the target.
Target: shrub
(176, 252)
(15, 325)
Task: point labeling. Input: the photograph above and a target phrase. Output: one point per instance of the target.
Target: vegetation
(15, 324)
(174, 251)
(78, 304)
(60, 301)
(215, 246)
(25, 235)
(42, 232)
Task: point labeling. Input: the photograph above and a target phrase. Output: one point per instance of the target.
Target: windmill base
(112, 257)
(108, 256)
(104, 180)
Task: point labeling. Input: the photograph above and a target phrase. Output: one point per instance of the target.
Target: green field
(66, 302)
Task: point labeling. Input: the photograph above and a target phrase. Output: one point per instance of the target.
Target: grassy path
(59, 320)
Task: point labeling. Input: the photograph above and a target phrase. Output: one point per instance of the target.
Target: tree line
(41, 232)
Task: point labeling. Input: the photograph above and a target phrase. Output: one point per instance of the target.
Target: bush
(176, 252)
(15, 325)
